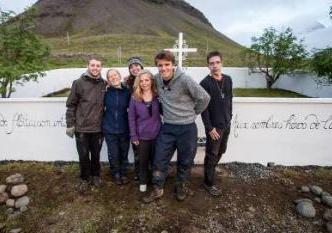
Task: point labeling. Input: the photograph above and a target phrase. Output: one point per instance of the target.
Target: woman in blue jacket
(115, 126)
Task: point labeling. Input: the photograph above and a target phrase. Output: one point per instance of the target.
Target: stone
(317, 199)
(326, 194)
(16, 230)
(15, 179)
(329, 227)
(328, 215)
(19, 190)
(305, 189)
(10, 203)
(3, 197)
(297, 201)
(316, 190)
(22, 201)
(327, 200)
(306, 209)
(10, 211)
(14, 215)
(3, 188)
(23, 209)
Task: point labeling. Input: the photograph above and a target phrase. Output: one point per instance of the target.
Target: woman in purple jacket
(144, 122)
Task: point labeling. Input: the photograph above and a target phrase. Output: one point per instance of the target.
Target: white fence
(285, 131)
(62, 78)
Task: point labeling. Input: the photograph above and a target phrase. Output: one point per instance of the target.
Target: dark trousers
(136, 159)
(89, 145)
(145, 154)
(171, 137)
(213, 152)
(117, 150)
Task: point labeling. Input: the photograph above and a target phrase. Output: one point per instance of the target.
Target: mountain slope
(158, 21)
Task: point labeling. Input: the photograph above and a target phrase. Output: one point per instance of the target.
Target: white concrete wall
(285, 131)
(61, 78)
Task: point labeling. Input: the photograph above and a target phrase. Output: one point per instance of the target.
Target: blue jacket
(115, 120)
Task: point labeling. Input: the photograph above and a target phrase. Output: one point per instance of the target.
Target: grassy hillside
(106, 46)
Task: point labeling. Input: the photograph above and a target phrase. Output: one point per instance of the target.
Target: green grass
(106, 47)
(262, 92)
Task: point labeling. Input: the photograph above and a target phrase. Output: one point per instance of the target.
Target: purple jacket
(142, 125)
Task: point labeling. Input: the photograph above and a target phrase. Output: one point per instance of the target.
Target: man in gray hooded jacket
(182, 99)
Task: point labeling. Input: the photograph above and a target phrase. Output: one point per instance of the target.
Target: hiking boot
(125, 180)
(84, 186)
(213, 190)
(96, 181)
(117, 180)
(156, 194)
(180, 192)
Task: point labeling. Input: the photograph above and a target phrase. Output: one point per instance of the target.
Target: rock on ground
(19, 190)
(3, 197)
(327, 200)
(22, 201)
(316, 190)
(3, 188)
(306, 209)
(328, 215)
(15, 179)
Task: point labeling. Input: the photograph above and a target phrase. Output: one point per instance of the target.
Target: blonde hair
(137, 93)
(113, 70)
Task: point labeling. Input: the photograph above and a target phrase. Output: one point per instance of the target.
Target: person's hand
(214, 134)
(136, 143)
(70, 132)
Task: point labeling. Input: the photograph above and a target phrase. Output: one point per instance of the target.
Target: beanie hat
(135, 60)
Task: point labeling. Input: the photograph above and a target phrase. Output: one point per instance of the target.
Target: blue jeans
(171, 137)
(118, 147)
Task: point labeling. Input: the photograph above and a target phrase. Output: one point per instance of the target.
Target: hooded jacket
(182, 99)
(85, 104)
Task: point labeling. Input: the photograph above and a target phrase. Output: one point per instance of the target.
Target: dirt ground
(255, 199)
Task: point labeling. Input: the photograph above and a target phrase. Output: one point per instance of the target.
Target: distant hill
(139, 27)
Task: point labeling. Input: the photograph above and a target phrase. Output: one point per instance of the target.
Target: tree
(22, 54)
(322, 63)
(275, 54)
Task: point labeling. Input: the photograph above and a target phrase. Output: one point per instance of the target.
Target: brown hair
(164, 55)
(137, 94)
(213, 54)
(94, 58)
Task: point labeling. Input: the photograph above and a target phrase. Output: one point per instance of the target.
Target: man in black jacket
(85, 106)
(216, 118)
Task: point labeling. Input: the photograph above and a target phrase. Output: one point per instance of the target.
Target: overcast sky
(240, 20)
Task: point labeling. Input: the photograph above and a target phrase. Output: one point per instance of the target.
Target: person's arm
(200, 96)
(206, 114)
(231, 110)
(132, 122)
(71, 104)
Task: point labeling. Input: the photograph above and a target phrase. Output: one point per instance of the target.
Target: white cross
(181, 50)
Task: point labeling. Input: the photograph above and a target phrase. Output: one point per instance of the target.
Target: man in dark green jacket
(85, 106)
(216, 118)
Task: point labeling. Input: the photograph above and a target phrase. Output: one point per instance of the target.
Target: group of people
(156, 114)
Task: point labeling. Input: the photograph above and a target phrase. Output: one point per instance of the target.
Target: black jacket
(85, 104)
(218, 114)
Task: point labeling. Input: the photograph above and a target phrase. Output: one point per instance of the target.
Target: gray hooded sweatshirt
(182, 99)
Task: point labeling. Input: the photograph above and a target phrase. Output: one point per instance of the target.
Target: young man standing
(216, 118)
(182, 99)
(85, 107)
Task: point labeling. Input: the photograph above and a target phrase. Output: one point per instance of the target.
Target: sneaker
(125, 180)
(156, 194)
(84, 186)
(142, 188)
(96, 181)
(180, 192)
(213, 190)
